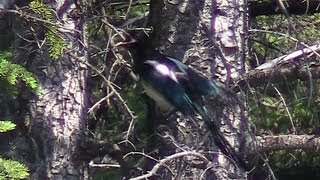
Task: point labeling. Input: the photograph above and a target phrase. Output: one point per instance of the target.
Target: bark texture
(285, 142)
(57, 115)
(287, 67)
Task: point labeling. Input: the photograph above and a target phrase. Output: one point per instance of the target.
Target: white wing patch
(163, 69)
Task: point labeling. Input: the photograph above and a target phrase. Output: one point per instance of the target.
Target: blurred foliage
(122, 8)
(275, 105)
(272, 36)
(110, 175)
(268, 111)
(11, 169)
(14, 72)
(10, 76)
(6, 126)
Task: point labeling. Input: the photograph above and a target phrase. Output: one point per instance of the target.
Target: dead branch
(282, 67)
(105, 166)
(286, 142)
(163, 162)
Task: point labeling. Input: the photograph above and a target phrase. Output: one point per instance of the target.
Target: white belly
(161, 102)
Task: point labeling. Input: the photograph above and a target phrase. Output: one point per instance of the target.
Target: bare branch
(61, 28)
(281, 67)
(163, 162)
(106, 166)
(113, 90)
(280, 142)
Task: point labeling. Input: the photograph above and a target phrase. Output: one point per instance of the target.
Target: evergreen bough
(53, 37)
(14, 72)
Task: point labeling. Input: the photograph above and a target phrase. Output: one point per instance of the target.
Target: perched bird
(175, 86)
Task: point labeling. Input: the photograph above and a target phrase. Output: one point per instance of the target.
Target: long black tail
(219, 139)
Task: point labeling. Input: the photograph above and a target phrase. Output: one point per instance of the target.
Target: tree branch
(281, 142)
(163, 162)
(282, 67)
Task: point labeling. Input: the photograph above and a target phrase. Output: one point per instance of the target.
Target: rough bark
(286, 142)
(57, 114)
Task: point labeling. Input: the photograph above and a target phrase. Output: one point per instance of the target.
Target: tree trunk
(58, 113)
(209, 36)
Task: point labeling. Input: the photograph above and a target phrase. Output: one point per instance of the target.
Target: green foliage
(41, 9)
(137, 8)
(110, 175)
(295, 101)
(6, 126)
(114, 117)
(14, 72)
(270, 112)
(294, 158)
(8, 92)
(140, 8)
(56, 42)
(135, 103)
(10, 76)
(274, 37)
(54, 38)
(10, 169)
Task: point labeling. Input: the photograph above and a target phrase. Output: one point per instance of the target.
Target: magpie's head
(138, 43)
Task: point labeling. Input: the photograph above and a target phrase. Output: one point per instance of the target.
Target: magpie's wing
(195, 83)
(163, 80)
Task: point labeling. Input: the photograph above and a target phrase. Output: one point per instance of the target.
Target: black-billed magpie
(175, 86)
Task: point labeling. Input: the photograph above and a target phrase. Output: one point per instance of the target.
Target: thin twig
(113, 90)
(128, 10)
(286, 107)
(204, 172)
(55, 24)
(287, 36)
(92, 108)
(167, 159)
(94, 165)
(113, 28)
(140, 153)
